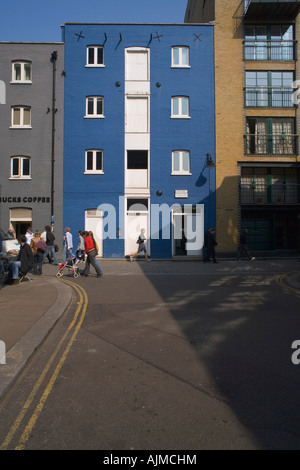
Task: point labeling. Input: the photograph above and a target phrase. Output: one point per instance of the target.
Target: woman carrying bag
(38, 248)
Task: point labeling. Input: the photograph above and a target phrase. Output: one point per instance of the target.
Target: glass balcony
(279, 50)
(271, 144)
(269, 97)
(277, 193)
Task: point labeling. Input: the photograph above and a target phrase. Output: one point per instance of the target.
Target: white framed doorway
(137, 218)
(94, 223)
(188, 230)
(20, 219)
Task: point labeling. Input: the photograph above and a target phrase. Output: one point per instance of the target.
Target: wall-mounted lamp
(159, 192)
(118, 84)
(209, 161)
(158, 84)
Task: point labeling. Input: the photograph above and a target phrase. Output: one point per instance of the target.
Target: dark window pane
(91, 55)
(98, 160)
(137, 159)
(137, 204)
(26, 167)
(15, 167)
(89, 161)
(99, 106)
(90, 106)
(100, 55)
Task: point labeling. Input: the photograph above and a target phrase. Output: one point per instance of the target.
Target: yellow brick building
(257, 124)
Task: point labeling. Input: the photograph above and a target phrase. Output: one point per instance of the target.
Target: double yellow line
(281, 283)
(75, 324)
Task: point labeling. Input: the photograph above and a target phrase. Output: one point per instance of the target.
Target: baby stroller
(71, 265)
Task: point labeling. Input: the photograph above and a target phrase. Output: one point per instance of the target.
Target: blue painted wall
(196, 134)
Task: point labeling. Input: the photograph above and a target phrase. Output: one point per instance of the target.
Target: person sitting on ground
(24, 262)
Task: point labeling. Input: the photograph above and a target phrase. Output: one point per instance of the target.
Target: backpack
(41, 246)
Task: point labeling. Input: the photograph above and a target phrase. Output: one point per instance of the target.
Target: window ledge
(95, 66)
(21, 82)
(180, 117)
(94, 117)
(20, 127)
(93, 173)
(181, 174)
(18, 178)
(180, 66)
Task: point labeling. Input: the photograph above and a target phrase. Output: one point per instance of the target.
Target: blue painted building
(139, 133)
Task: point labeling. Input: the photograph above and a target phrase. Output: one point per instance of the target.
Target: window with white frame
(180, 56)
(21, 72)
(94, 106)
(21, 117)
(20, 167)
(180, 107)
(94, 161)
(181, 162)
(95, 56)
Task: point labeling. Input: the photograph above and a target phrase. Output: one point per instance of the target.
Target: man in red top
(91, 256)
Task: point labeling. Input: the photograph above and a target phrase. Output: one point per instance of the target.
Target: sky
(40, 20)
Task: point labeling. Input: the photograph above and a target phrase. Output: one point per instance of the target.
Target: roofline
(31, 42)
(139, 24)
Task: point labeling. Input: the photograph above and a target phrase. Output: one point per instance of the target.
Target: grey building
(31, 136)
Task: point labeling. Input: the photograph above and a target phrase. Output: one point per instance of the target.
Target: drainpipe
(54, 110)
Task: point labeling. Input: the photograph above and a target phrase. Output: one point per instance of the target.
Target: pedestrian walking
(67, 245)
(211, 243)
(38, 248)
(80, 252)
(45, 255)
(91, 235)
(243, 248)
(91, 256)
(142, 247)
(206, 257)
(29, 235)
(50, 249)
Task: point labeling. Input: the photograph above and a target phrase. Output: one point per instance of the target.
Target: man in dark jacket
(210, 243)
(50, 252)
(24, 262)
(243, 246)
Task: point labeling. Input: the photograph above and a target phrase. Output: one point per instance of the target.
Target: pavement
(29, 310)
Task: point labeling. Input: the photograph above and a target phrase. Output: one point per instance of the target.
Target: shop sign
(24, 199)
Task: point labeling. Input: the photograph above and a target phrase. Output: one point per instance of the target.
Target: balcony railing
(271, 144)
(277, 193)
(269, 97)
(279, 50)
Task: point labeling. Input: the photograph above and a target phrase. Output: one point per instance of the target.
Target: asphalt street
(167, 355)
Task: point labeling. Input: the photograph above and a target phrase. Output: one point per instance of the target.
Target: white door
(136, 65)
(94, 223)
(135, 222)
(136, 115)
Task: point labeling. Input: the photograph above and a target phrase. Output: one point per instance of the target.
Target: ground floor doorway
(94, 223)
(137, 218)
(188, 230)
(272, 229)
(20, 220)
